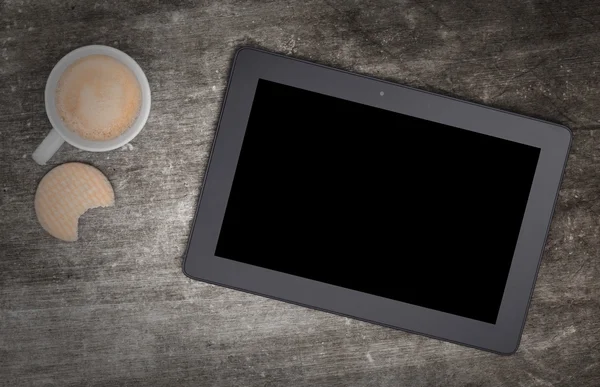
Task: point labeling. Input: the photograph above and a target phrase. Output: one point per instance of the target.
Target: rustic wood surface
(115, 309)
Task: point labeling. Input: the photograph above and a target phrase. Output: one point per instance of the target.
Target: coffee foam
(98, 97)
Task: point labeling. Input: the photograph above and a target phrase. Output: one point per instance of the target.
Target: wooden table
(114, 307)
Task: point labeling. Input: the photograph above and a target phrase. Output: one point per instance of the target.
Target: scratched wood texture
(115, 309)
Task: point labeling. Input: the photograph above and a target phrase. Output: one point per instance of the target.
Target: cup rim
(72, 137)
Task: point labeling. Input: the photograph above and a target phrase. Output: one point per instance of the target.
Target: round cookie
(65, 193)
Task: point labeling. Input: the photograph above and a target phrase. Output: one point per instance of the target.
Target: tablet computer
(376, 201)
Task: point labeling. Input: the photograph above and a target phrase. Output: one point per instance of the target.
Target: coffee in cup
(98, 97)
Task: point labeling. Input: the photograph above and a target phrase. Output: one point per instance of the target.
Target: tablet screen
(376, 201)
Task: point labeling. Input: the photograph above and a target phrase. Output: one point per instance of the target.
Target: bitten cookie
(65, 193)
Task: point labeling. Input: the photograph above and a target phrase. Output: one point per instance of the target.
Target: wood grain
(115, 309)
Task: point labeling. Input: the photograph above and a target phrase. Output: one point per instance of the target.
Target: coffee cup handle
(48, 147)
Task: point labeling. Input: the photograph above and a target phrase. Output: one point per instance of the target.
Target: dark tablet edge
(231, 72)
(537, 270)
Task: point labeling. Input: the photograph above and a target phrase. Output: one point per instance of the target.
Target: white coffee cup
(60, 133)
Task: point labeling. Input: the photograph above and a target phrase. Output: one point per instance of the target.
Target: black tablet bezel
(249, 66)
